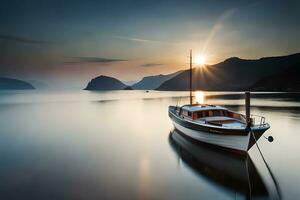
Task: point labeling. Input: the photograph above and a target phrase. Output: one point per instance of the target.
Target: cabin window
(236, 115)
(216, 113)
(221, 112)
(225, 113)
(189, 113)
(211, 113)
(199, 114)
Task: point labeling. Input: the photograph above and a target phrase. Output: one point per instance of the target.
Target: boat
(232, 173)
(217, 125)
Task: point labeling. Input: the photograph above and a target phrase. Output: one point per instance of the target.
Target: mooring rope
(269, 169)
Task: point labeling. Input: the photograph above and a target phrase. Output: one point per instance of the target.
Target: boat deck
(227, 122)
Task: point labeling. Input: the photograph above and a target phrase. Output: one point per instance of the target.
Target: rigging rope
(269, 169)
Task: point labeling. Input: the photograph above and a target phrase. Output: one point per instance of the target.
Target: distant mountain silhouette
(234, 74)
(153, 82)
(288, 80)
(14, 84)
(127, 88)
(105, 83)
(40, 85)
(129, 83)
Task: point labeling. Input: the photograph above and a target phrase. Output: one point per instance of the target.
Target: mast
(191, 98)
(247, 108)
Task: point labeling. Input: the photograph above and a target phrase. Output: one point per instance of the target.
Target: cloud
(137, 39)
(13, 38)
(146, 41)
(74, 60)
(151, 65)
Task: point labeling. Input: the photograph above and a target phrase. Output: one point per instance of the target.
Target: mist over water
(121, 145)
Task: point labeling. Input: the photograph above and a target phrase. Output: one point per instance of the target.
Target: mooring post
(247, 107)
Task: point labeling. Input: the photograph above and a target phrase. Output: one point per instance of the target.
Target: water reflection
(231, 172)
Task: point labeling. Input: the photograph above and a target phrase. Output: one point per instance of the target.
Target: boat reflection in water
(234, 173)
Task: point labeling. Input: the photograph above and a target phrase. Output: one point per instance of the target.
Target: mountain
(14, 84)
(288, 81)
(233, 74)
(127, 88)
(153, 82)
(38, 84)
(129, 83)
(105, 83)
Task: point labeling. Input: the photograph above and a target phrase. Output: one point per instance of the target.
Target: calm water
(121, 145)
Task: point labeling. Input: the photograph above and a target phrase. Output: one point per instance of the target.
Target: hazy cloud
(13, 38)
(151, 65)
(146, 41)
(92, 60)
(137, 39)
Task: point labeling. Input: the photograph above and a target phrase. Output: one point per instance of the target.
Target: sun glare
(199, 95)
(200, 60)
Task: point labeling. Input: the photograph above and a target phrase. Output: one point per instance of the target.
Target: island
(14, 84)
(106, 83)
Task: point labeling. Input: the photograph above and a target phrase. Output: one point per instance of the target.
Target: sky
(68, 42)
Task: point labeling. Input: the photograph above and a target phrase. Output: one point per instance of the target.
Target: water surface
(119, 145)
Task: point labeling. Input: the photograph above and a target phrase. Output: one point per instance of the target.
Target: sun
(200, 60)
(200, 97)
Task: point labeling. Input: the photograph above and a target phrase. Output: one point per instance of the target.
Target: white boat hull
(234, 142)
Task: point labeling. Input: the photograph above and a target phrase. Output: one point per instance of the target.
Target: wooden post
(247, 107)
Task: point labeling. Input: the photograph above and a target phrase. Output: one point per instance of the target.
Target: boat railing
(261, 119)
